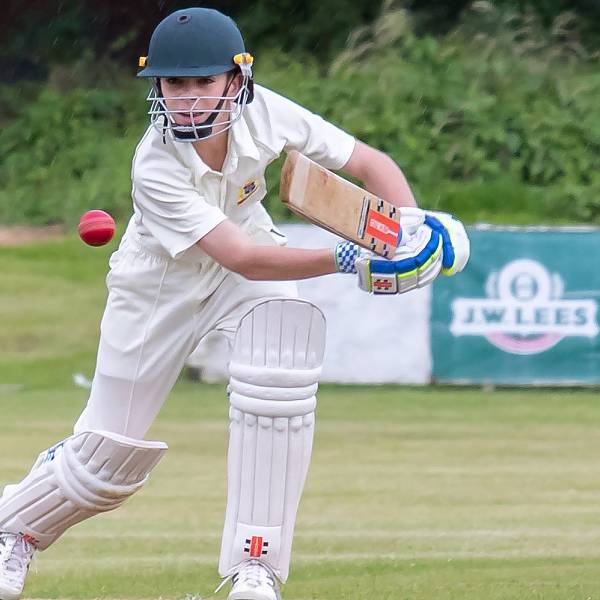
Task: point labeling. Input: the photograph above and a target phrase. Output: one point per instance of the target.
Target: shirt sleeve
(170, 207)
(310, 134)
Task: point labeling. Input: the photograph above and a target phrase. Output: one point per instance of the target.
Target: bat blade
(328, 200)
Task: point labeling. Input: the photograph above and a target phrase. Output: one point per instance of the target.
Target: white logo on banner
(524, 312)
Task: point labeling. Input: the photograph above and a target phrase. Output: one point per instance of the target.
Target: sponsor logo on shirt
(247, 190)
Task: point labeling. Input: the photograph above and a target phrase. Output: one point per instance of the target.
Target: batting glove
(432, 242)
(346, 252)
(415, 264)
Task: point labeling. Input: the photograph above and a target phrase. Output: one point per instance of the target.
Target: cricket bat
(328, 200)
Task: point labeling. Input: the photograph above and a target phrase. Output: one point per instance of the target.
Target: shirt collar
(242, 142)
(190, 158)
(241, 145)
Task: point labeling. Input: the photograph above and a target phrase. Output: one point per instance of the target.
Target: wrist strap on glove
(346, 254)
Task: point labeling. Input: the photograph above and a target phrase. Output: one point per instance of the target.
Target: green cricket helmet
(197, 42)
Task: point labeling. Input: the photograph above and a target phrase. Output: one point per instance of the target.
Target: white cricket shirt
(178, 199)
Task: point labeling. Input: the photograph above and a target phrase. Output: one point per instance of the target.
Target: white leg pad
(275, 365)
(87, 474)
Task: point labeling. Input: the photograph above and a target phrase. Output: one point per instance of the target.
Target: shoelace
(254, 573)
(15, 556)
(223, 582)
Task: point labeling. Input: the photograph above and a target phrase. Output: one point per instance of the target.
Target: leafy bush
(496, 100)
(498, 120)
(66, 153)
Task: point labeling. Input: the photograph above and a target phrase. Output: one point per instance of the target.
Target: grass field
(413, 494)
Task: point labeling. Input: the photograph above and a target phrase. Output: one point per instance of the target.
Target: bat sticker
(382, 228)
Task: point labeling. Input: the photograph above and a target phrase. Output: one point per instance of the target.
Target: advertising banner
(525, 310)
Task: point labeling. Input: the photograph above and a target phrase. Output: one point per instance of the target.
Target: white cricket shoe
(254, 581)
(15, 555)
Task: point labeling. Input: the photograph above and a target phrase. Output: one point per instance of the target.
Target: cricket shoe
(15, 555)
(254, 581)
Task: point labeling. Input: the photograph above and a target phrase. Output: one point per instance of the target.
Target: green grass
(51, 301)
(413, 493)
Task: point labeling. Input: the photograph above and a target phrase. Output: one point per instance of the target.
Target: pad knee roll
(84, 475)
(276, 362)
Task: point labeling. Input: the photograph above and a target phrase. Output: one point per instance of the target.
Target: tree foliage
(38, 35)
(45, 34)
(497, 120)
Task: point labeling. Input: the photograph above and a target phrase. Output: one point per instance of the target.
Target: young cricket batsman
(200, 254)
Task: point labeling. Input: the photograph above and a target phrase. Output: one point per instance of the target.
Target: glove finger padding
(416, 263)
(455, 242)
(411, 218)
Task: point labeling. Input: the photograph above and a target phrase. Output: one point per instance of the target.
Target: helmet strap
(164, 115)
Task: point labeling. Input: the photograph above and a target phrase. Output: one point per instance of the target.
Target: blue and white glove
(432, 242)
(456, 247)
(346, 253)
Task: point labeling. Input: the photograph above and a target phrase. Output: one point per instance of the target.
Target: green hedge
(493, 122)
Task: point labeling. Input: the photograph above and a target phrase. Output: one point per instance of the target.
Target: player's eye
(174, 80)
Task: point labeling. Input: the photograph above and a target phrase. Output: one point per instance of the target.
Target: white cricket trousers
(156, 314)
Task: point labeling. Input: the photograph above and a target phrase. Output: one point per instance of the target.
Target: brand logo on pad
(525, 311)
(30, 539)
(256, 547)
(50, 454)
(247, 190)
(384, 284)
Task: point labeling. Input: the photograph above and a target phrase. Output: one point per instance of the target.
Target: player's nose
(193, 89)
(188, 101)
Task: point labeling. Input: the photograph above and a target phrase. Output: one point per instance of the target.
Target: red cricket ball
(96, 227)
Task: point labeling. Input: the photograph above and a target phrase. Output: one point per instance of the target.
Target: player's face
(197, 94)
